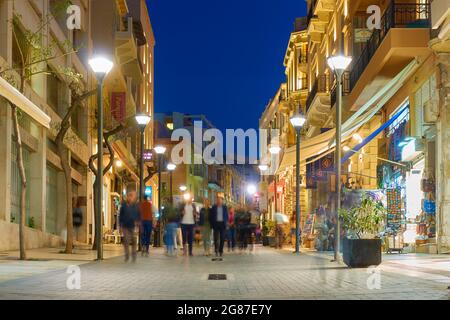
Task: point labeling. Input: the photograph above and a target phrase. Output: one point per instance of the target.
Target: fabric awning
(374, 105)
(15, 97)
(324, 143)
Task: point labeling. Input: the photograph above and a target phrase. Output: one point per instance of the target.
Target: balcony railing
(397, 15)
(345, 86)
(321, 85)
(311, 9)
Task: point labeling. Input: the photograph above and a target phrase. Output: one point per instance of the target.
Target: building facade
(122, 30)
(393, 124)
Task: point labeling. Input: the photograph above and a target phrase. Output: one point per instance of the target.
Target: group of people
(218, 221)
(238, 227)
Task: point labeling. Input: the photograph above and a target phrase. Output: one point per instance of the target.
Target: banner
(118, 106)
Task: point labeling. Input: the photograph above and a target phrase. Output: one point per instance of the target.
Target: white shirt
(219, 214)
(188, 217)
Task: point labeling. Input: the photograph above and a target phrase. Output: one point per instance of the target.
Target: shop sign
(147, 155)
(148, 192)
(362, 35)
(118, 106)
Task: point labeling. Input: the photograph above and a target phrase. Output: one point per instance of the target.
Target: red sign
(118, 106)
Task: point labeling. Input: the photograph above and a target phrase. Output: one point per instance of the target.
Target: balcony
(318, 101)
(127, 49)
(319, 15)
(403, 36)
(345, 87)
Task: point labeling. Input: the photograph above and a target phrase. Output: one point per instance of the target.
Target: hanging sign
(118, 106)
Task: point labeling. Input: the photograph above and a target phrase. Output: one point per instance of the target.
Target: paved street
(265, 274)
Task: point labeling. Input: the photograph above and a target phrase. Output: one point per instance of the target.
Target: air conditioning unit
(430, 111)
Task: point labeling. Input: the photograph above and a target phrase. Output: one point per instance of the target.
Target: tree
(109, 150)
(33, 59)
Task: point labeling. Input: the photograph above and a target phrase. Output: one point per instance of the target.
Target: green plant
(365, 219)
(268, 228)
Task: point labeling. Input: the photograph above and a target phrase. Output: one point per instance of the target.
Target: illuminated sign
(147, 155)
(148, 191)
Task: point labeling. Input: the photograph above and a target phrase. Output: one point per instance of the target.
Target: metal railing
(321, 85)
(397, 15)
(345, 87)
(311, 9)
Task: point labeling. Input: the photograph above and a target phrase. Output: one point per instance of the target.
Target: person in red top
(146, 210)
(231, 232)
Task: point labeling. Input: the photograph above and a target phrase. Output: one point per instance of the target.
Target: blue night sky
(223, 59)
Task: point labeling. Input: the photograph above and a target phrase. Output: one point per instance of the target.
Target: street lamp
(171, 167)
(297, 121)
(101, 67)
(183, 188)
(263, 167)
(251, 189)
(338, 64)
(160, 150)
(142, 120)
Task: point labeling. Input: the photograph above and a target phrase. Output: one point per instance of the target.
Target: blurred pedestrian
(77, 216)
(254, 223)
(146, 210)
(281, 221)
(188, 218)
(129, 221)
(205, 226)
(231, 231)
(219, 221)
(242, 220)
(170, 235)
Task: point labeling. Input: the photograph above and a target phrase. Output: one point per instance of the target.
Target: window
(55, 91)
(16, 184)
(18, 47)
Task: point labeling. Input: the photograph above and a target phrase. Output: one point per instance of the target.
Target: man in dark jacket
(218, 220)
(129, 219)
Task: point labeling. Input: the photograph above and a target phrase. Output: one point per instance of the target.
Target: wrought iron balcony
(397, 15)
(345, 86)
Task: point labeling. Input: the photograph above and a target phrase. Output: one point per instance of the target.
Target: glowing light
(101, 65)
(160, 149)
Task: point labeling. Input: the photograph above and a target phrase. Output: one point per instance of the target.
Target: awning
(374, 105)
(15, 97)
(373, 135)
(324, 143)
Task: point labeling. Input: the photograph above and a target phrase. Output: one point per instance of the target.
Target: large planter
(361, 253)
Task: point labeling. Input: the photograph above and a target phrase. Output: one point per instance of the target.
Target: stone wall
(9, 238)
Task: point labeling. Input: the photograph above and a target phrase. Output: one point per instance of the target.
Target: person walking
(129, 219)
(77, 217)
(146, 209)
(219, 220)
(188, 218)
(242, 221)
(231, 231)
(205, 226)
(281, 221)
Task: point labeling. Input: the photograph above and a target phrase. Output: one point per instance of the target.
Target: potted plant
(268, 233)
(362, 245)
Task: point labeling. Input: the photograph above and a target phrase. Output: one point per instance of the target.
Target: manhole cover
(217, 277)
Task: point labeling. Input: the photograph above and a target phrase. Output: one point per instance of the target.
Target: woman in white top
(188, 218)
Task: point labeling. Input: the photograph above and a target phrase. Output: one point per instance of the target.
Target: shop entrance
(414, 199)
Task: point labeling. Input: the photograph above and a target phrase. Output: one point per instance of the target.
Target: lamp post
(160, 150)
(142, 120)
(171, 167)
(297, 121)
(101, 67)
(338, 64)
(263, 168)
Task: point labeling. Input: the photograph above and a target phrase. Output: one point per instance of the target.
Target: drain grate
(213, 276)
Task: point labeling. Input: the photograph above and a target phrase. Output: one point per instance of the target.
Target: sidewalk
(44, 260)
(434, 267)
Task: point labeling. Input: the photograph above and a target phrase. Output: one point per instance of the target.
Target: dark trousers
(219, 237)
(146, 233)
(243, 237)
(187, 231)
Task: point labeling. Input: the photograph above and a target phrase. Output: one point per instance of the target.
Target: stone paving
(263, 274)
